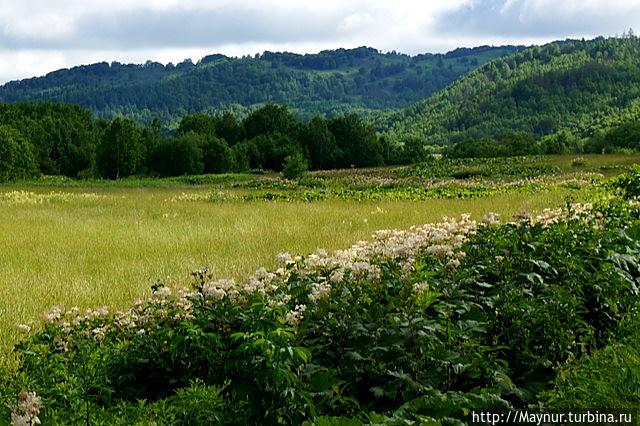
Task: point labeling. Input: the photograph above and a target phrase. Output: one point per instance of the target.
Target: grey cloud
(186, 28)
(522, 19)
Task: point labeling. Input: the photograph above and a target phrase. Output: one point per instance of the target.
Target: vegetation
(124, 235)
(565, 97)
(561, 92)
(418, 326)
(332, 82)
(66, 140)
(425, 324)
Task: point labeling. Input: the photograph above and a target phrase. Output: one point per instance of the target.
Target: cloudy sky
(38, 36)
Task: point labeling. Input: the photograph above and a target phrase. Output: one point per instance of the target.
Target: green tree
(269, 119)
(357, 140)
(121, 152)
(216, 156)
(520, 143)
(17, 160)
(271, 150)
(295, 166)
(179, 155)
(198, 123)
(151, 137)
(228, 128)
(625, 135)
(320, 144)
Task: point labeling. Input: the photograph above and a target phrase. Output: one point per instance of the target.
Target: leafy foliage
(16, 156)
(295, 167)
(63, 137)
(68, 141)
(608, 378)
(629, 183)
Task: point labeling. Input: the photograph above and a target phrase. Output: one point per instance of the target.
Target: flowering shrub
(425, 323)
(629, 183)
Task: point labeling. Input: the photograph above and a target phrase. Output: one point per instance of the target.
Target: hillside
(330, 82)
(575, 85)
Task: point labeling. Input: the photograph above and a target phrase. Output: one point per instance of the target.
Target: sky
(39, 36)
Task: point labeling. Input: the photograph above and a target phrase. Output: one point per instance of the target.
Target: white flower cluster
(319, 291)
(53, 314)
(217, 290)
(577, 211)
(420, 287)
(29, 405)
(296, 315)
(548, 217)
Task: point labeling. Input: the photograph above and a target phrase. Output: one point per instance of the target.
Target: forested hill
(330, 82)
(568, 87)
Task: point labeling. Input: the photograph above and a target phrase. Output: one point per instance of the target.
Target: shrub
(609, 378)
(629, 183)
(294, 167)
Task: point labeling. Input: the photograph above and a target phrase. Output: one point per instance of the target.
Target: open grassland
(109, 247)
(106, 244)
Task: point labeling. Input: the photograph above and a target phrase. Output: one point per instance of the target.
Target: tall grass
(109, 247)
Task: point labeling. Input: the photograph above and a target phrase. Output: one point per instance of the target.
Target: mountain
(573, 86)
(330, 82)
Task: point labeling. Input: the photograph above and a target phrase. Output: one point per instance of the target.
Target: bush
(609, 378)
(628, 184)
(295, 166)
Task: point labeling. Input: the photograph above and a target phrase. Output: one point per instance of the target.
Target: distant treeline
(331, 82)
(625, 136)
(53, 139)
(578, 86)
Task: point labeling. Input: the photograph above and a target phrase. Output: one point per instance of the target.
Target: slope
(575, 85)
(329, 82)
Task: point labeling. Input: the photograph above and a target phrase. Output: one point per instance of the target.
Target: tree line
(54, 139)
(618, 138)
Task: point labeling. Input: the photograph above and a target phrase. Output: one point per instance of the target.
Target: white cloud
(37, 36)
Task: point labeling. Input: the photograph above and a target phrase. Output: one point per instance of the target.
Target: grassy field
(109, 248)
(104, 244)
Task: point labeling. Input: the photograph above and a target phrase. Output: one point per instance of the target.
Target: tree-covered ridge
(572, 86)
(330, 82)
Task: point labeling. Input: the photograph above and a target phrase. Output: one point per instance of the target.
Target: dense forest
(55, 139)
(332, 82)
(560, 92)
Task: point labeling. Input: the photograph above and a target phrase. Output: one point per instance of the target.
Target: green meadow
(101, 246)
(95, 243)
